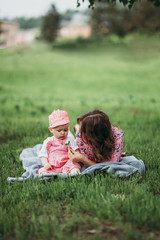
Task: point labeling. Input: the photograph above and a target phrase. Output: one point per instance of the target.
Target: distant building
(77, 27)
(8, 33)
(75, 31)
(26, 36)
(12, 36)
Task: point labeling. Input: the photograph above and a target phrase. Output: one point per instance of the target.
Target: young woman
(97, 139)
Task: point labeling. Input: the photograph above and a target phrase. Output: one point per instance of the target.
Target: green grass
(121, 78)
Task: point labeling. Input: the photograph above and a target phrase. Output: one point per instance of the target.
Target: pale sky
(34, 8)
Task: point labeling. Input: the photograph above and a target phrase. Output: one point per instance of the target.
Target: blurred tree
(129, 3)
(144, 18)
(107, 18)
(111, 18)
(50, 24)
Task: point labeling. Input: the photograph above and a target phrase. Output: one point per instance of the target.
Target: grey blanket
(31, 163)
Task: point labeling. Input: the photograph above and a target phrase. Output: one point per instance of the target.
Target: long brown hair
(96, 130)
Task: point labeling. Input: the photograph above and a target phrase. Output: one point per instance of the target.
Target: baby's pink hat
(58, 118)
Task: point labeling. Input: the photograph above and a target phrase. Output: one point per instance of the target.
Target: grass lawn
(121, 78)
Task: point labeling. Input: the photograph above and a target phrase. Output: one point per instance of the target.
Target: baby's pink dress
(58, 158)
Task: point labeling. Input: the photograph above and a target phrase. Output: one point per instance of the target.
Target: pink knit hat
(58, 118)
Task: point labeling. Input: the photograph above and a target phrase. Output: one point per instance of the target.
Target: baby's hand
(47, 166)
(67, 144)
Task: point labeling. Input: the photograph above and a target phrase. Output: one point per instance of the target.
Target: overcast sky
(34, 8)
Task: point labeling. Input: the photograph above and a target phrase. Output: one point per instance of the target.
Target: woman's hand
(76, 128)
(75, 156)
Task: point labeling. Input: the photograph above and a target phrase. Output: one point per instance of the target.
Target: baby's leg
(75, 170)
(53, 170)
(69, 166)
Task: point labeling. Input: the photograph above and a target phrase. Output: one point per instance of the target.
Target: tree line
(106, 17)
(128, 3)
(28, 23)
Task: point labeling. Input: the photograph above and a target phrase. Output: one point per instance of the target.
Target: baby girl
(54, 152)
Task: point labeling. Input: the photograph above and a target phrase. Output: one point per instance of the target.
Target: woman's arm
(118, 137)
(78, 157)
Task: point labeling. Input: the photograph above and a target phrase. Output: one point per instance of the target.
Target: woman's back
(115, 156)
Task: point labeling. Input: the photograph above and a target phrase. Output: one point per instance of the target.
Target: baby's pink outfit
(58, 157)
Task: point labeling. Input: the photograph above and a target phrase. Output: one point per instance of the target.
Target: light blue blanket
(31, 163)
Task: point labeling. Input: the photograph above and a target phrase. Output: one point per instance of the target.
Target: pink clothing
(118, 137)
(69, 140)
(58, 158)
(58, 118)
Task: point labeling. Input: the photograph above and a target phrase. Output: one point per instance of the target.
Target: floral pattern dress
(116, 155)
